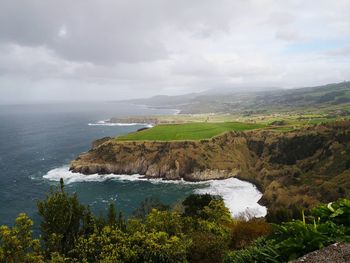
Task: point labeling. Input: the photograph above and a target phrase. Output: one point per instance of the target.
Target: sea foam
(107, 123)
(239, 196)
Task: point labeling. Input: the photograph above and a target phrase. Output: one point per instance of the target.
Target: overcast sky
(117, 49)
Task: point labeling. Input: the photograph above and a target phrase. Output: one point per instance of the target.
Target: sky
(83, 50)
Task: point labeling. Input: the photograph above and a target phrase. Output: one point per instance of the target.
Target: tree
(112, 215)
(216, 211)
(17, 244)
(62, 217)
(147, 205)
(107, 245)
(164, 221)
(113, 220)
(195, 203)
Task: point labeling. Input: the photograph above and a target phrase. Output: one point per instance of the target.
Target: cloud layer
(116, 49)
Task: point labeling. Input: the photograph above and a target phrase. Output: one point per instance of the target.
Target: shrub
(296, 238)
(195, 203)
(337, 212)
(262, 251)
(244, 233)
(17, 243)
(207, 247)
(62, 217)
(146, 207)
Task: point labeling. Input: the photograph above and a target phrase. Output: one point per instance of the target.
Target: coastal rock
(297, 168)
(98, 142)
(336, 253)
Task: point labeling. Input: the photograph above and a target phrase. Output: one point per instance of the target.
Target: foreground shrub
(337, 212)
(195, 203)
(245, 232)
(262, 251)
(207, 247)
(205, 233)
(113, 245)
(62, 220)
(17, 243)
(146, 207)
(280, 215)
(294, 239)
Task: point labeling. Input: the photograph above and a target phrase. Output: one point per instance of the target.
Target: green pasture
(187, 131)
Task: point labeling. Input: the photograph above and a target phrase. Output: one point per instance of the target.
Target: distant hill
(164, 100)
(239, 90)
(255, 100)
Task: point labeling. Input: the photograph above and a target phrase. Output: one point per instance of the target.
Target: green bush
(62, 220)
(262, 251)
(291, 240)
(296, 238)
(203, 232)
(337, 212)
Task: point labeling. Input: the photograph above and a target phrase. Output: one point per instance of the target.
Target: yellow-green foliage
(204, 232)
(17, 243)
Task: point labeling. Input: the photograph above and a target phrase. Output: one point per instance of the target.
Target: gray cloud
(120, 48)
(98, 32)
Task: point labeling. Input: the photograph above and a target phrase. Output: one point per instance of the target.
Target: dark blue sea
(37, 142)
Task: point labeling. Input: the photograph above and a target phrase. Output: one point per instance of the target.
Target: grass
(187, 131)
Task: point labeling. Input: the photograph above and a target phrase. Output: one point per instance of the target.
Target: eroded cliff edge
(301, 167)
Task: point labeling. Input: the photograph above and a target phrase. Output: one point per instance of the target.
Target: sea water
(37, 142)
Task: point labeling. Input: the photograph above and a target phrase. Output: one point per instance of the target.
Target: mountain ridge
(260, 100)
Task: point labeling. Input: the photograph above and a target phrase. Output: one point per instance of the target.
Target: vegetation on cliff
(293, 169)
(200, 229)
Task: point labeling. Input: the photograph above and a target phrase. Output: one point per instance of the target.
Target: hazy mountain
(259, 99)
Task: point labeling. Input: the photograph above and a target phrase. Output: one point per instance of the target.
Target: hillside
(292, 168)
(319, 98)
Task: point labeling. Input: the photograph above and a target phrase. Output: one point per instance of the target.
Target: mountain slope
(256, 100)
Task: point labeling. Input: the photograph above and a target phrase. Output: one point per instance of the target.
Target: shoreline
(275, 162)
(229, 189)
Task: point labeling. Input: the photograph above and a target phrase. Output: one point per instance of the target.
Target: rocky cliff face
(296, 168)
(194, 161)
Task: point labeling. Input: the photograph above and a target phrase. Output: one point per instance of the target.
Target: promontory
(299, 167)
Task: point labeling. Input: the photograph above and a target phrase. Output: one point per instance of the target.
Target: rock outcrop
(336, 253)
(301, 167)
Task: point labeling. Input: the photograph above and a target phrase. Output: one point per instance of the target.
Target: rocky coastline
(290, 168)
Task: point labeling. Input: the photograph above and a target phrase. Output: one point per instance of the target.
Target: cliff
(295, 168)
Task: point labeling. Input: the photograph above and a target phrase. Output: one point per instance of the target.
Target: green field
(187, 131)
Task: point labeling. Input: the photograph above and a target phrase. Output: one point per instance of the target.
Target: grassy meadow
(188, 131)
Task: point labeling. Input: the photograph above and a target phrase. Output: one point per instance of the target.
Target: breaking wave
(107, 123)
(70, 177)
(239, 196)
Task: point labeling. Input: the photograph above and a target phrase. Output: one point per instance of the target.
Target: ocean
(37, 142)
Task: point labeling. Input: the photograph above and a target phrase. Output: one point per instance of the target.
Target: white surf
(240, 197)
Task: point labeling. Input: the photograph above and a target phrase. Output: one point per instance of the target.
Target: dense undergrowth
(200, 229)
